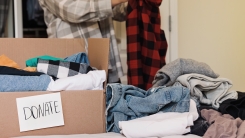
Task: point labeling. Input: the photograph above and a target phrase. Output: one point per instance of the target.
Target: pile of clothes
(47, 73)
(174, 105)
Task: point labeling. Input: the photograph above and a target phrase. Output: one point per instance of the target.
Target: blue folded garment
(11, 83)
(78, 58)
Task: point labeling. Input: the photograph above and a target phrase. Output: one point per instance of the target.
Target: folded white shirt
(93, 80)
(160, 124)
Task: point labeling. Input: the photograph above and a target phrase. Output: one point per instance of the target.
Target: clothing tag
(42, 111)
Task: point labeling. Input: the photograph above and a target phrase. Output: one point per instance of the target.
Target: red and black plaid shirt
(146, 42)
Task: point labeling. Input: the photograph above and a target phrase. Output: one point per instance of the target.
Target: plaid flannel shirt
(146, 42)
(86, 19)
(62, 69)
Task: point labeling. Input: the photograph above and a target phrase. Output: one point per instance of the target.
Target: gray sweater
(167, 75)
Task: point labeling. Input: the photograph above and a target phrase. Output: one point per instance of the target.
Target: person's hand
(116, 2)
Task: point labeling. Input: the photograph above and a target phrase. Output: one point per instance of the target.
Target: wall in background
(213, 32)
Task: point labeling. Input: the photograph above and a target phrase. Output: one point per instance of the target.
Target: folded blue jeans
(78, 58)
(14, 83)
(126, 102)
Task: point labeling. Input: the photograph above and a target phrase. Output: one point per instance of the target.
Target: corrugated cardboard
(84, 111)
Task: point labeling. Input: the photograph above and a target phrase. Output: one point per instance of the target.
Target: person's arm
(120, 12)
(76, 11)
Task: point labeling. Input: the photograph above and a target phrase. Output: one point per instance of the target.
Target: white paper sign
(42, 111)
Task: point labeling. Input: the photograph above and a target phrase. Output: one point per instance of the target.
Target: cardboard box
(84, 111)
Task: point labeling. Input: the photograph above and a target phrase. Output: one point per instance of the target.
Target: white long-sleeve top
(160, 124)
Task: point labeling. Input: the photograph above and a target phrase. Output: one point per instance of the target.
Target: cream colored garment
(93, 80)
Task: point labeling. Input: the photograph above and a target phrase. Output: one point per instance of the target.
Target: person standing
(87, 19)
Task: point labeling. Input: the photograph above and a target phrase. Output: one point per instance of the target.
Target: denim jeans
(78, 58)
(15, 83)
(126, 102)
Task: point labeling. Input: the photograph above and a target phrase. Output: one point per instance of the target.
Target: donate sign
(42, 111)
